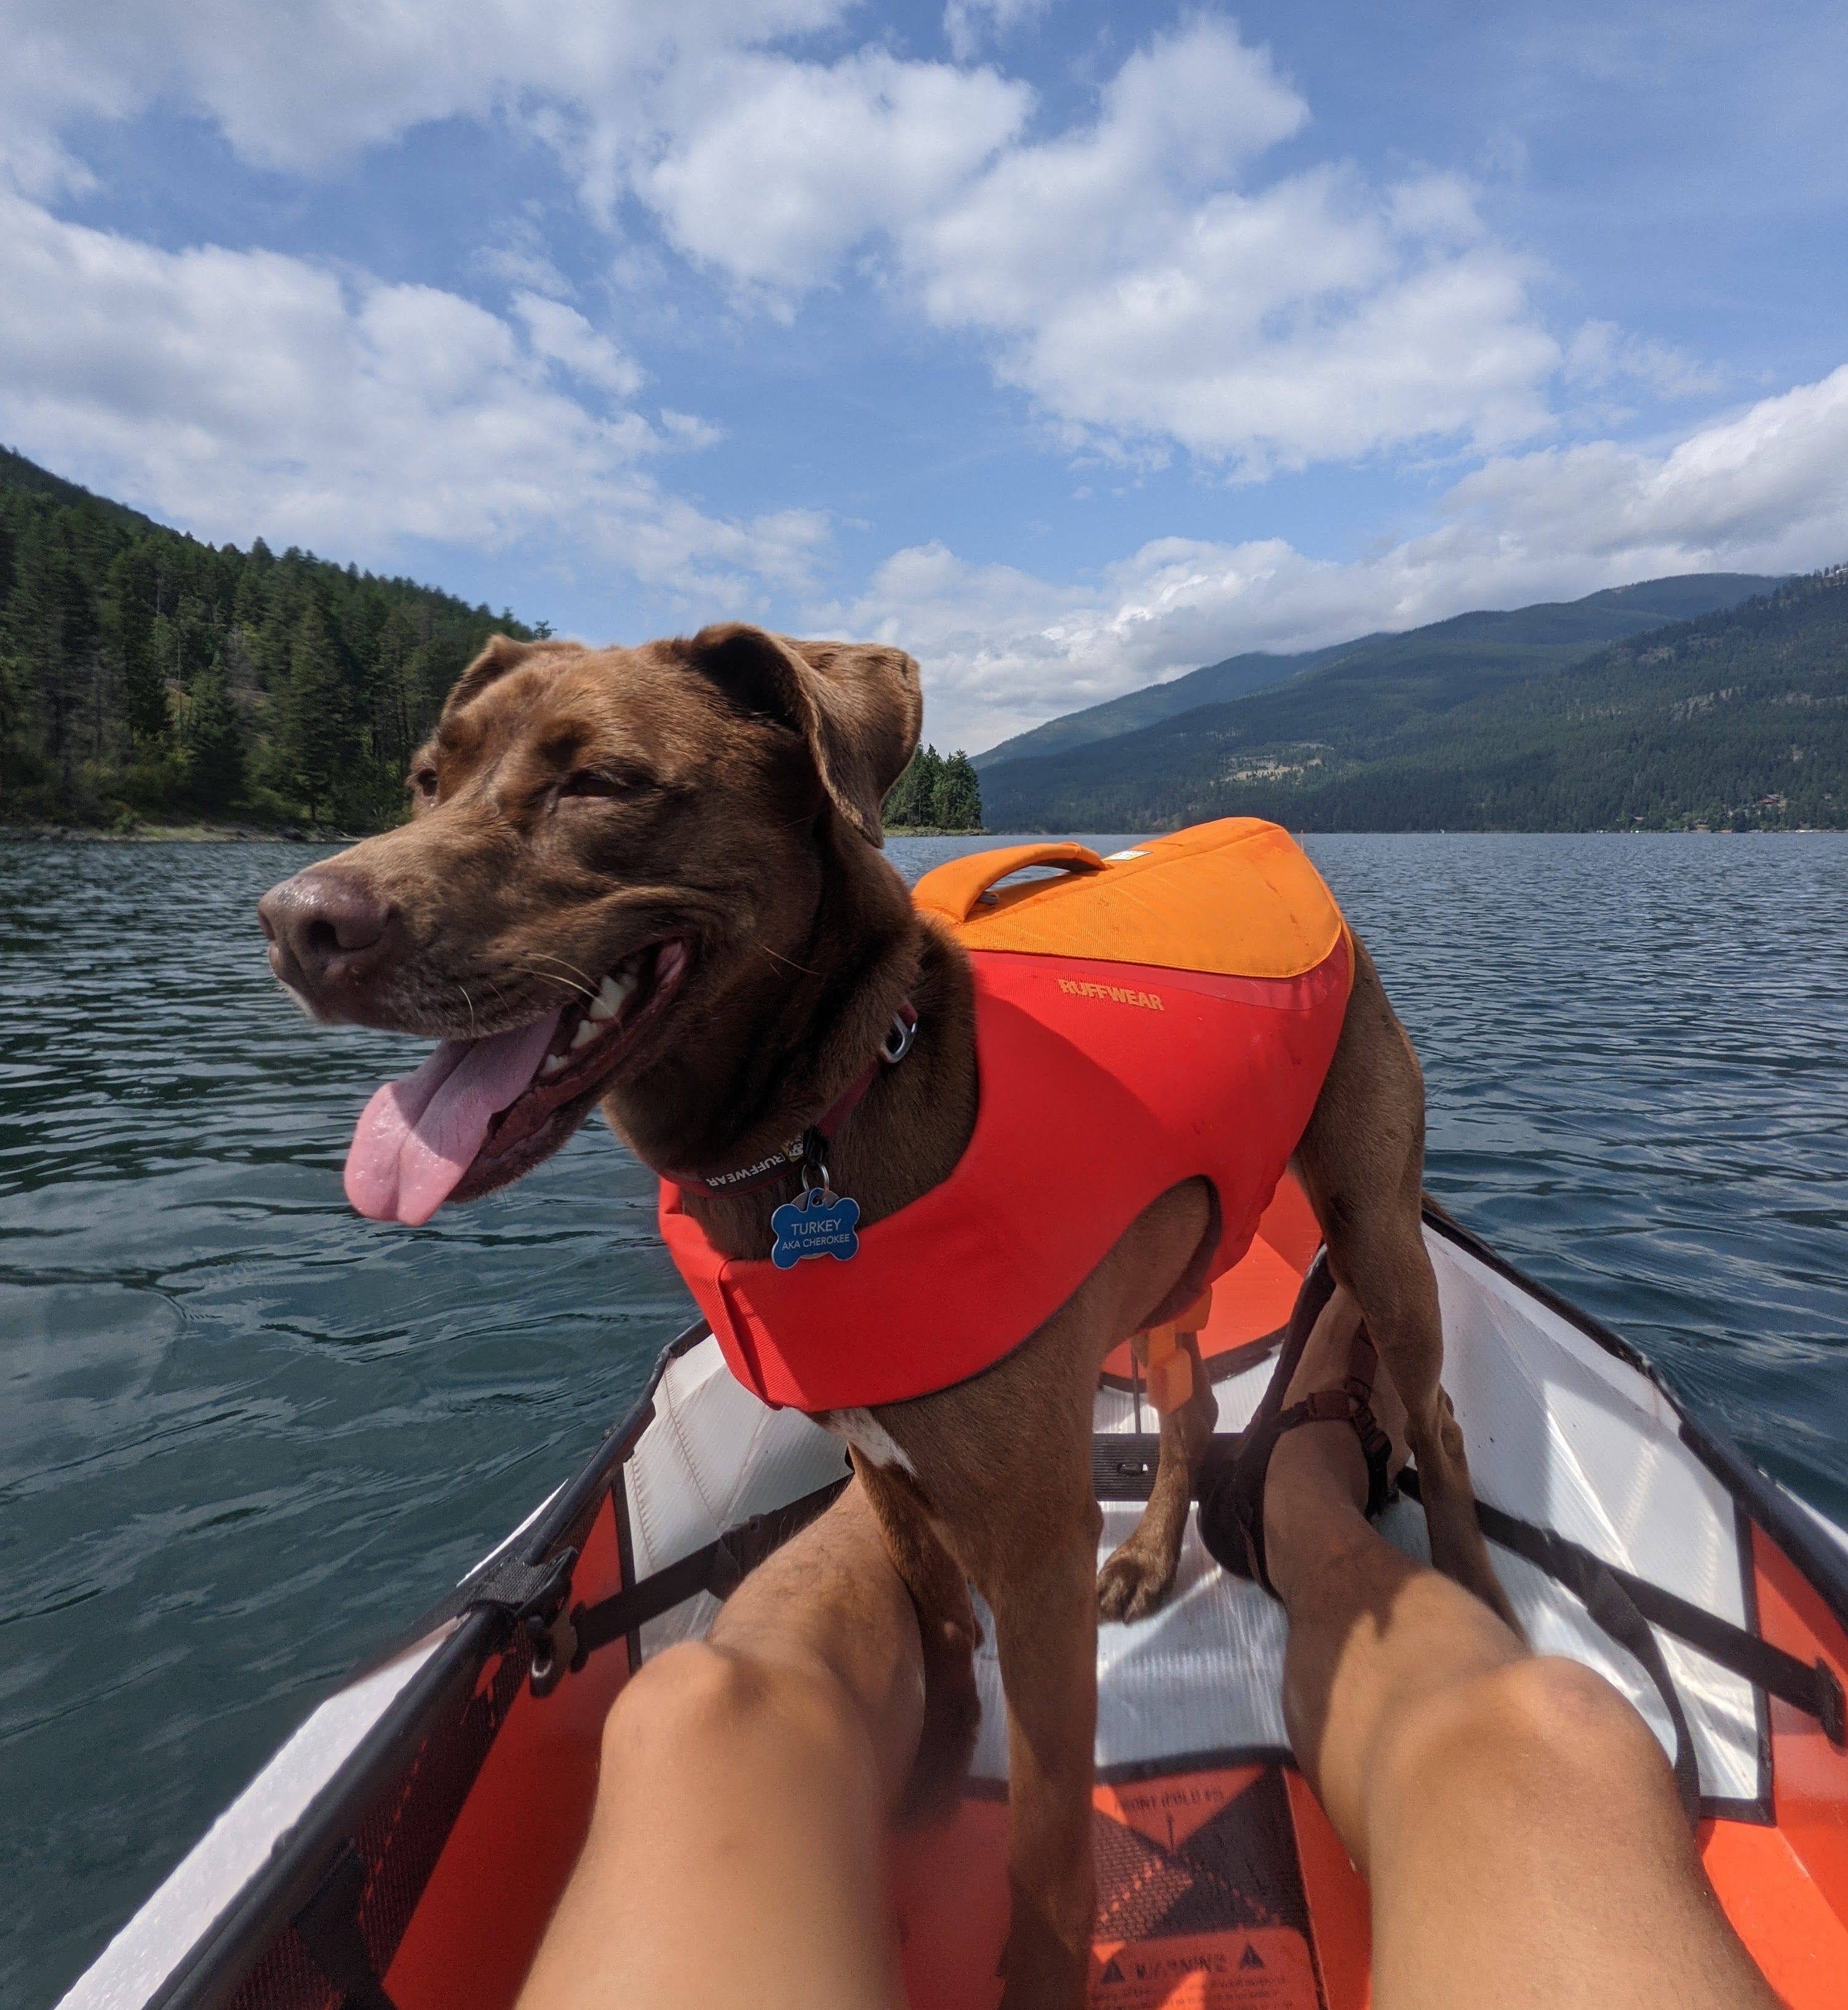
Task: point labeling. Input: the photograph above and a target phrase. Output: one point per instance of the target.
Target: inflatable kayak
(405, 1846)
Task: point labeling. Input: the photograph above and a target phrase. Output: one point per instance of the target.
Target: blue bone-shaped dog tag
(819, 1224)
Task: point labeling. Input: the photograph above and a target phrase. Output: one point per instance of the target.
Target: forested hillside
(1736, 720)
(144, 675)
(1443, 662)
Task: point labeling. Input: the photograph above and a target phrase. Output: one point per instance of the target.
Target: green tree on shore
(317, 745)
(911, 800)
(213, 737)
(957, 795)
(133, 596)
(934, 794)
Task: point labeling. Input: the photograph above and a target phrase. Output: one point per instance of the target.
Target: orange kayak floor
(1225, 1889)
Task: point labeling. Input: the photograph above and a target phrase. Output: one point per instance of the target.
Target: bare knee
(1541, 1725)
(684, 1693)
(698, 1697)
(1568, 1716)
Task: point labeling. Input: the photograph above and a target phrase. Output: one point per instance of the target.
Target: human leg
(736, 1857)
(1516, 1819)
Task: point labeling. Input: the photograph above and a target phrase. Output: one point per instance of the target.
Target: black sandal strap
(1232, 1508)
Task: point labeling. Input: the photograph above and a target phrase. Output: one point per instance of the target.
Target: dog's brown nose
(328, 933)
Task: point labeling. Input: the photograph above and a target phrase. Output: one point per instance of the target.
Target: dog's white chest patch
(869, 1438)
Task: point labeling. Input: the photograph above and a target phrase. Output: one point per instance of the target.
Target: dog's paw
(1132, 1583)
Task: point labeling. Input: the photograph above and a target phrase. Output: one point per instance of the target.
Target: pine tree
(957, 798)
(133, 591)
(213, 742)
(318, 740)
(17, 767)
(111, 626)
(911, 802)
(896, 812)
(56, 628)
(396, 699)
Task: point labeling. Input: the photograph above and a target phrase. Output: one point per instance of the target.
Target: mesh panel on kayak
(397, 1845)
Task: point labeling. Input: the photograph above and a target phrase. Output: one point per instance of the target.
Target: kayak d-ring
(554, 1649)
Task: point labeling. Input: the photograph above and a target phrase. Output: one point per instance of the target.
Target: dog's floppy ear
(495, 660)
(501, 654)
(857, 705)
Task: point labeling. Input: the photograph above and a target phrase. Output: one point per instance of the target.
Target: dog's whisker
(548, 956)
(587, 989)
(788, 962)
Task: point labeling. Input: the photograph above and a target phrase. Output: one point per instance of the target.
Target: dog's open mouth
(479, 1113)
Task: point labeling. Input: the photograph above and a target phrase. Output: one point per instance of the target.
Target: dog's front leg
(1361, 1160)
(1045, 1607)
(1137, 1573)
(947, 1634)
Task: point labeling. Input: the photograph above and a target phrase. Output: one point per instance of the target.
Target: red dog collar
(809, 1146)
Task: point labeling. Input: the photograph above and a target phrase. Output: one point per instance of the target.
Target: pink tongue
(416, 1138)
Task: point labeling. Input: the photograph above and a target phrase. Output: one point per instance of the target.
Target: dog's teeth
(553, 1063)
(614, 994)
(587, 1030)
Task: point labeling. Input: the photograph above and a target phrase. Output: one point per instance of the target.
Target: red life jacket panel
(1166, 1013)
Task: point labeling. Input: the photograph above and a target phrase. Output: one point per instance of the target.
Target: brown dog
(650, 878)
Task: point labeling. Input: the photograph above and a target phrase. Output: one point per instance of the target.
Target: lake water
(244, 1434)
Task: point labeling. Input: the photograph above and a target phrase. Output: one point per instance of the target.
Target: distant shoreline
(174, 834)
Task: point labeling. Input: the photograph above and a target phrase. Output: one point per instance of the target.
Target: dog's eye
(603, 782)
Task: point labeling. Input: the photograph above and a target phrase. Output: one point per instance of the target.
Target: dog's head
(616, 856)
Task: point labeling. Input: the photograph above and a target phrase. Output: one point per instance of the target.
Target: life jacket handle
(954, 890)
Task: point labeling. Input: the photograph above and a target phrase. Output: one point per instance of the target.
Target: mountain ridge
(1588, 623)
(1736, 718)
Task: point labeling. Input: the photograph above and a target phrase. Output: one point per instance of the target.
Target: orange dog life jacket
(1167, 1012)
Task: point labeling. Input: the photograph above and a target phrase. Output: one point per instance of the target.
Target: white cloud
(1121, 271)
(777, 168)
(1601, 355)
(1125, 272)
(519, 258)
(1136, 289)
(1132, 272)
(302, 85)
(1764, 491)
(562, 335)
(236, 391)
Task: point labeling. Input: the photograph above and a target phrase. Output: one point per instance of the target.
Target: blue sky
(1069, 346)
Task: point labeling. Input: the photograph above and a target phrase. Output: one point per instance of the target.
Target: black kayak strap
(1627, 1607)
(516, 1592)
(717, 1566)
(1605, 1595)
(328, 1927)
